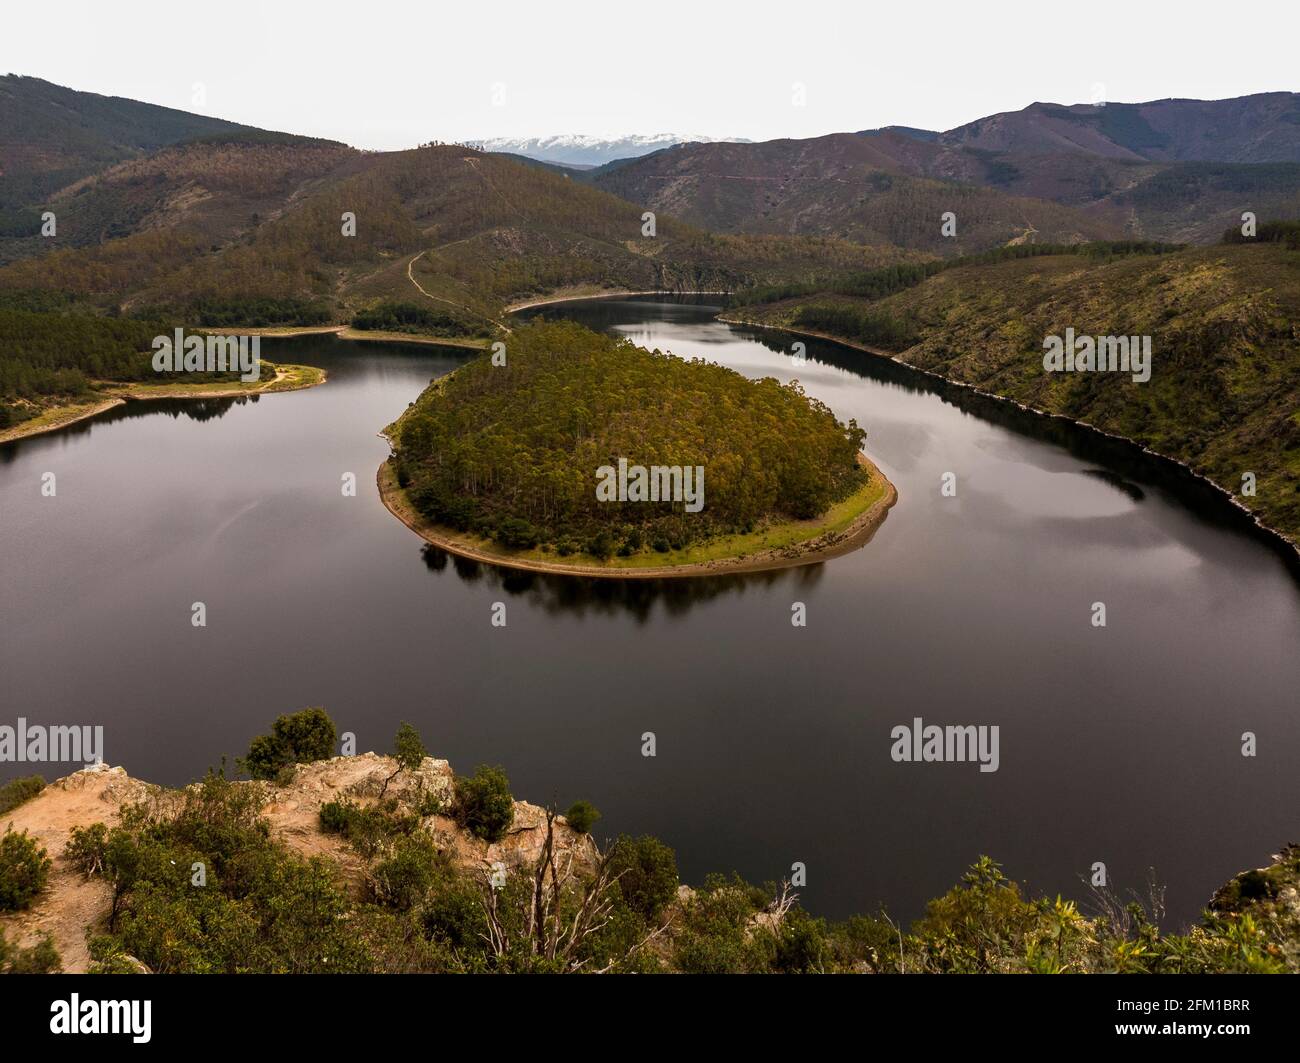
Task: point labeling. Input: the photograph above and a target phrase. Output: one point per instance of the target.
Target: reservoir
(972, 608)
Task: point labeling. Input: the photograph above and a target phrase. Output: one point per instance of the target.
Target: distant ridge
(587, 151)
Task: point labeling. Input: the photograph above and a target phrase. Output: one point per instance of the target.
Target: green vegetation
(16, 791)
(512, 452)
(53, 350)
(297, 738)
(408, 751)
(1224, 394)
(878, 283)
(475, 231)
(582, 816)
(1271, 232)
(411, 317)
(24, 870)
(844, 186)
(483, 804)
(874, 329)
(258, 313)
(421, 907)
(41, 958)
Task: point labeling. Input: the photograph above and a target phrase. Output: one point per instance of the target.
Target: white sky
(383, 74)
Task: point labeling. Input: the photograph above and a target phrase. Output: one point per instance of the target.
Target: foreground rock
(73, 904)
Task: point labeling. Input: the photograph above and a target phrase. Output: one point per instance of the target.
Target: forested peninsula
(571, 451)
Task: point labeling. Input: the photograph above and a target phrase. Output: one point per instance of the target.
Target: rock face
(73, 904)
(294, 813)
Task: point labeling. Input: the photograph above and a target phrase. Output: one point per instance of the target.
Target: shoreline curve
(1281, 538)
(833, 544)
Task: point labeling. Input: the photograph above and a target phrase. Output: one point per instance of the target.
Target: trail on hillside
(439, 299)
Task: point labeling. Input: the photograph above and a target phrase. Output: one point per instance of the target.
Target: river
(1119, 745)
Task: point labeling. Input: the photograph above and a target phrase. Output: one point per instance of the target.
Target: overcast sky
(385, 74)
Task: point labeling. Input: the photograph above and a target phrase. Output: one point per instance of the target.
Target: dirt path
(439, 299)
(602, 293)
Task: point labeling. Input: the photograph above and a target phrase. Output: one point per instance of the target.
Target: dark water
(1119, 744)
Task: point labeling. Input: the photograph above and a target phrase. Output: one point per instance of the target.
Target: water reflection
(1126, 466)
(555, 594)
(188, 409)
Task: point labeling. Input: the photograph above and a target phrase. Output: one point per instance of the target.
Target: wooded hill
(1224, 393)
(852, 187)
(512, 451)
(247, 221)
(51, 137)
(1171, 170)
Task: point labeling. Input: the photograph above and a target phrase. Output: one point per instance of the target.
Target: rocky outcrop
(72, 904)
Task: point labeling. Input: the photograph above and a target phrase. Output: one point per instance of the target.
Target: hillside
(213, 191)
(51, 137)
(1224, 392)
(1249, 129)
(890, 189)
(1175, 170)
(464, 231)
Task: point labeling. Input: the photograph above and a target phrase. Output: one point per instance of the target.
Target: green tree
(24, 870)
(483, 804)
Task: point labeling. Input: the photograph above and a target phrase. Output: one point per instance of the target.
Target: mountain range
(582, 152)
(161, 208)
(1180, 170)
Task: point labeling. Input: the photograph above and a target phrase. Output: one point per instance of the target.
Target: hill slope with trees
(1224, 393)
(513, 452)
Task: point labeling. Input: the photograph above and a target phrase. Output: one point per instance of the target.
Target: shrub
(297, 738)
(517, 533)
(429, 803)
(15, 792)
(266, 756)
(484, 805)
(86, 848)
(582, 816)
(41, 958)
(336, 816)
(453, 914)
(408, 747)
(369, 829)
(408, 751)
(108, 957)
(404, 878)
(24, 870)
(715, 937)
(647, 870)
(601, 545)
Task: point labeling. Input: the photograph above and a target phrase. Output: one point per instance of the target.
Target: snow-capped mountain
(578, 150)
